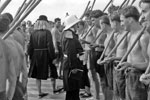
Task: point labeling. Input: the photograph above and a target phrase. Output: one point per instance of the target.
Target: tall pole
(93, 5)
(86, 9)
(122, 4)
(107, 5)
(18, 11)
(133, 2)
(4, 5)
(20, 20)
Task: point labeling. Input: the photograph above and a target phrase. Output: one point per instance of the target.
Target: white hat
(70, 21)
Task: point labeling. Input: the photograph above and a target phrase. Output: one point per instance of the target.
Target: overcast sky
(58, 8)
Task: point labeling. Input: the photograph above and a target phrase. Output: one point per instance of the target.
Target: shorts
(135, 90)
(94, 56)
(119, 83)
(108, 67)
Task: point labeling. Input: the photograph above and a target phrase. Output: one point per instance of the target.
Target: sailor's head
(145, 8)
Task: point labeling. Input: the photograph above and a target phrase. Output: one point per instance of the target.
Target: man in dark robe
(41, 52)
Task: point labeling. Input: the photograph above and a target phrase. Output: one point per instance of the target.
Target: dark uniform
(41, 52)
(71, 47)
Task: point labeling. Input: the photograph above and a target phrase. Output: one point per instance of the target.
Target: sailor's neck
(108, 30)
(135, 27)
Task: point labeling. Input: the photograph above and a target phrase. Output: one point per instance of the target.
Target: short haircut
(4, 23)
(82, 23)
(10, 17)
(115, 16)
(96, 14)
(88, 13)
(113, 8)
(144, 1)
(105, 19)
(57, 19)
(131, 11)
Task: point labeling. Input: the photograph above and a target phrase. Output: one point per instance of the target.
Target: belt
(133, 70)
(66, 56)
(41, 49)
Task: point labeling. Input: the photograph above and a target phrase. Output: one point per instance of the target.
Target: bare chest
(109, 41)
(148, 50)
(123, 44)
(137, 46)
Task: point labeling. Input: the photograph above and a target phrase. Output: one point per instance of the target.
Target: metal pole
(20, 8)
(20, 20)
(86, 9)
(107, 5)
(4, 5)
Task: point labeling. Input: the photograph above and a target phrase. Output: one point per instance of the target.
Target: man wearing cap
(41, 52)
(71, 48)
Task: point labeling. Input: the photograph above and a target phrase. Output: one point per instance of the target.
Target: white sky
(58, 8)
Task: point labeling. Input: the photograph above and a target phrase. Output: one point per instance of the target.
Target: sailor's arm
(54, 36)
(144, 40)
(24, 73)
(12, 79)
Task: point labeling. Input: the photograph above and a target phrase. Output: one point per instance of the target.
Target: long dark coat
(71, 47)
(41, 53)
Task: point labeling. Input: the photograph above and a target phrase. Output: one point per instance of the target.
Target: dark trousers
(109, 74)
(94, 56)
(85, 78)
(119, 84)
(72, 95)
(3, 95)
(19, 91)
